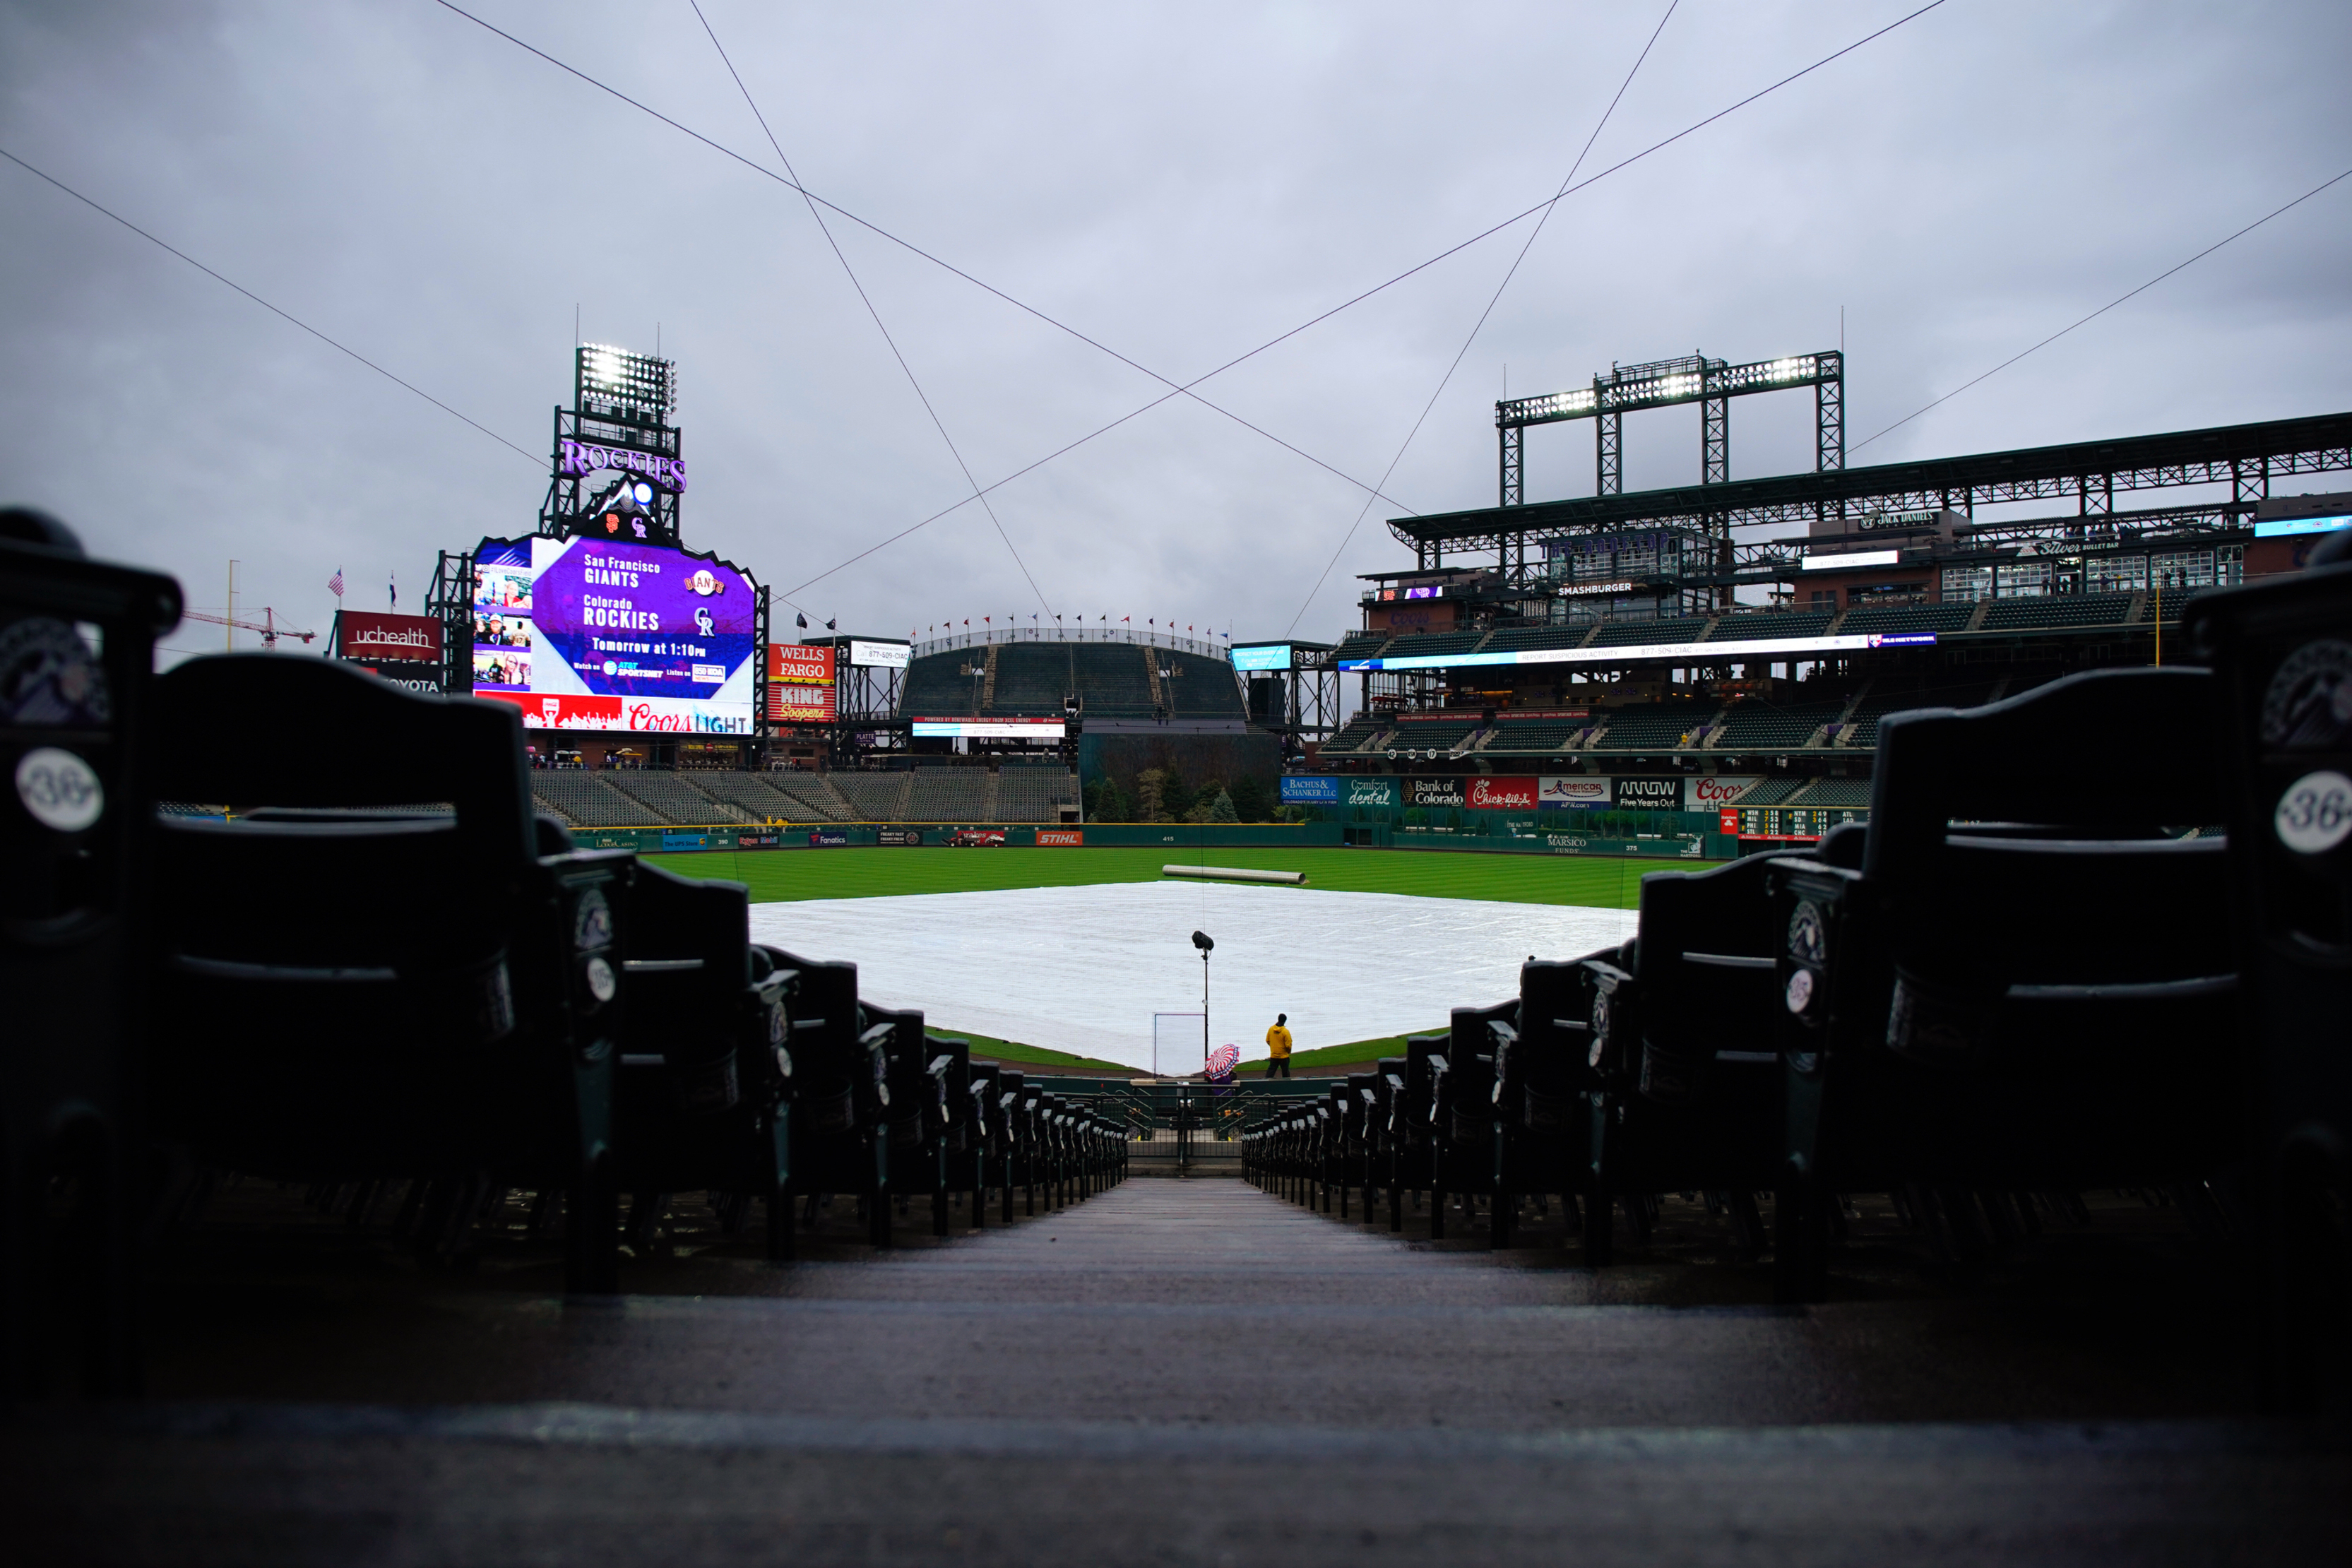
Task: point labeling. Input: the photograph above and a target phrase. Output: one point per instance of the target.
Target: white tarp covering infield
(1082, 969)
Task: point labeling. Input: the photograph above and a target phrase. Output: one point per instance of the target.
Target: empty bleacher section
(1862, 730)
(1114, 679)
(1751, 626)
(1535, 736)
(936, 686)
(1907, 618)
(1360, 645)
(1771, 791)
(1833, 792)
(1352, 735)
(873, 797)
(1625, 634)
(673, 798)
(751, 792)
(1034, 795)
(1032, 678)
(1430, 735)
(811, 798)
(1658, 727)
(588, 800)
(947, 794)
(1420, 645)
(1201, 687)
(1758, 725)
(1513, 638)
(2057, 610)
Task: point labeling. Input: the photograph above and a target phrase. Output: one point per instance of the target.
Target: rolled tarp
(1235, 874)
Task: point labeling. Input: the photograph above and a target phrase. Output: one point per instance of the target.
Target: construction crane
(267, 626)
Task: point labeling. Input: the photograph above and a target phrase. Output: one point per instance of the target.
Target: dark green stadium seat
(74, 860)
(348, 994)
(840, 1143)
(706, 1060)
(2282, 658)
(2044, 1003)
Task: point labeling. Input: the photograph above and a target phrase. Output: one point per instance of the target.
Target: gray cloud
(1181, 183)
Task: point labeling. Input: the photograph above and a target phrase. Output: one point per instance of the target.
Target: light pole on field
(1201, 939)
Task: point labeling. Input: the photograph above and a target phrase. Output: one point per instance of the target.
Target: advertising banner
(823, 840)
(364, 636)
(1061, 838)
(1264, 655)
(799, 684)
(991, 729)
(611, 635)
(1648, 793)
(1378, 794)
(1706, 793)
(1434, 792)
(1581, 792)
(1311, 789)
(1502, 793)
(864, 655)
(901, 836)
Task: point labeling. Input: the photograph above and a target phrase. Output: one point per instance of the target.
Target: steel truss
(2247, 458)
(1710, 383)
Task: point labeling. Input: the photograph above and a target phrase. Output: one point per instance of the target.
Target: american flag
(335, 584)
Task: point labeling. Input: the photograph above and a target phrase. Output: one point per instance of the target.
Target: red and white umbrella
(1221, 1062)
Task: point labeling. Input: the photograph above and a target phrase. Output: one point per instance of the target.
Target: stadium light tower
(1203, 941)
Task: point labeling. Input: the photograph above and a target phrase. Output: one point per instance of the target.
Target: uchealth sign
(1648, 794)
(365, 637)
(1575, 792)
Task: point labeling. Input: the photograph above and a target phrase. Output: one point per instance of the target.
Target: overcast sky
(1180, 184)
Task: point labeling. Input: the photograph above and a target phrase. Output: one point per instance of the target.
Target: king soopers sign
(586, 458)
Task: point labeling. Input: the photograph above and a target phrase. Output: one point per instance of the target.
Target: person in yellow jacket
(1277, 1048)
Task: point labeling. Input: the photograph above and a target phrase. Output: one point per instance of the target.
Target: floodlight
(1201, 939)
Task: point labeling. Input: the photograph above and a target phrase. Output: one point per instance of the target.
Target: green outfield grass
(780, 875)
(997, 1051)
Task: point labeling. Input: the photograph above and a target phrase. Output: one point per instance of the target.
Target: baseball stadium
(1777, 1019)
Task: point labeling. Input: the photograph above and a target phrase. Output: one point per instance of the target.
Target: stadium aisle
(1185, 1371)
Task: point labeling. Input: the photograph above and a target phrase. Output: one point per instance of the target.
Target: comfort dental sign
(1726, 649)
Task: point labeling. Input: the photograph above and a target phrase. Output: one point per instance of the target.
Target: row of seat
(387, 973)
(2022, 980)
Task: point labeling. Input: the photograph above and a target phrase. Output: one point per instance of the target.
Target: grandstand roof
(2221, 454)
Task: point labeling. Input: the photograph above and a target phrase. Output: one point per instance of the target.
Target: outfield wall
(1161, 836)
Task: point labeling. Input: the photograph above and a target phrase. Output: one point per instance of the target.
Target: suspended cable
(1444, 381)
(1185, 389)
(2110, 305)
(826, 229)
(297, 320)
(1358, 300)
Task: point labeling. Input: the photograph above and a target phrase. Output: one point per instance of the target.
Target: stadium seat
(2041, 1004)
(706, 1062)
(74, 859)
(350, 995)
(2282, 660)
(839, 1143)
